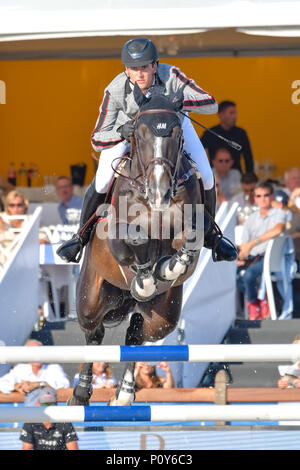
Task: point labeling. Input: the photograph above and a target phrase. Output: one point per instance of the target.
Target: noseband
(164, 162)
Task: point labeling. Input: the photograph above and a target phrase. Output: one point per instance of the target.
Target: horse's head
(159, 142)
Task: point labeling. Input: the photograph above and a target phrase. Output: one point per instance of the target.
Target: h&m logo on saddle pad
(161, 125)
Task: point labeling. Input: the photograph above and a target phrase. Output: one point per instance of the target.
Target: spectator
(220, 196)
(229, 178)
(290, 375)
(228, 129)
(48, 436)
(102, 376)
(281, 201)
(246, 196)
(26, 378)
(284, 282)
(146, 376)
(294, 232)
(64, 190)
(292, 180)
(15, 205)
(260, 227)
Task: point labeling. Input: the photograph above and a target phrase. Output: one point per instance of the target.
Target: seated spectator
(26, 378)
(48, 436)
(246, 196)
(64, 190)
(290, 375)
(291, 180)
(220, 196)
(15, 205)
(281, 201)
(294, 232)
(294, 202)
(229, 178)
(146, 376)
(260, 227)
(102, 376)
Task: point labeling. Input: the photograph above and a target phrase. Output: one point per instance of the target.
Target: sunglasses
(19, 204)
(262, 195)
(221, 160)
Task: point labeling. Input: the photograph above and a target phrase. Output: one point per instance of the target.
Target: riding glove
(126, 130)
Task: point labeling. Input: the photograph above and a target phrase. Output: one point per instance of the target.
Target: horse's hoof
(74, 401)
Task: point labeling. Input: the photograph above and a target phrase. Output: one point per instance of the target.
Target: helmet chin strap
(132, 84)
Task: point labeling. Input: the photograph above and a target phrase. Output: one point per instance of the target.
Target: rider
(115, 126)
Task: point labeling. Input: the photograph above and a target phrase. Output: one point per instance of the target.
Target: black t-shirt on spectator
(237, 134)
(54, 438)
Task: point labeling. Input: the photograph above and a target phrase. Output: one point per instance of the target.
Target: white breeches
(192, 145)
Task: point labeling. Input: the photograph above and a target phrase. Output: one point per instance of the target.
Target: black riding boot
(71, 250)
(222, 249)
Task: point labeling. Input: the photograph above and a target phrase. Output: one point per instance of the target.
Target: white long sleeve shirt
(53, 374)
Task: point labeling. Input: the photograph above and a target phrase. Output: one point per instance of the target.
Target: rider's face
(143, 75)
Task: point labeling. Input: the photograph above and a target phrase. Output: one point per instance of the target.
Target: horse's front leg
(170, 268)
(125, 393)
(133, 240)
(83, 389)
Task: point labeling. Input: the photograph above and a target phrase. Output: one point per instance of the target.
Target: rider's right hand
(126, 130)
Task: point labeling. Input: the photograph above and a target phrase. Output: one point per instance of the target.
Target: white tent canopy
(35, 20)
(64, 17)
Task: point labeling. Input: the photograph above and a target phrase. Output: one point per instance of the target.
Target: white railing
(19, 282)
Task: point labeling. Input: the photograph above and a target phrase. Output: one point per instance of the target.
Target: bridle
(169, 167)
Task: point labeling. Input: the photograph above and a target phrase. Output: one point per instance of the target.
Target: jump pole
(187, 353)
(153, 413)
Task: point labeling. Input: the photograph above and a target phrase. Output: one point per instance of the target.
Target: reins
(143, 187)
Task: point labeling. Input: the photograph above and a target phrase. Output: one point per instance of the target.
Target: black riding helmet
(138, 52)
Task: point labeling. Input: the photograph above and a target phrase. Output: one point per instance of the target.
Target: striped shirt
(118, 105)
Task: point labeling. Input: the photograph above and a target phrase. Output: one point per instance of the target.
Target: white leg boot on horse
(143, 286)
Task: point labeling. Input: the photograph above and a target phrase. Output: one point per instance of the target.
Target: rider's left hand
(126, 130)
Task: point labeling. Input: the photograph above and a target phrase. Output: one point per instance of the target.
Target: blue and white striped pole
(150, 413)
(188, 353)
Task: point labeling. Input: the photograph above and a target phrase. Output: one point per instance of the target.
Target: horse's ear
(178, 99)
(139, 96)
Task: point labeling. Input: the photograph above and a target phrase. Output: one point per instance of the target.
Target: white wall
(19, 285)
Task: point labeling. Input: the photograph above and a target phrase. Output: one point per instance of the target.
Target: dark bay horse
(148, 244)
